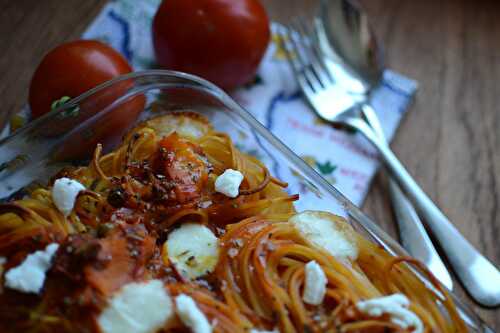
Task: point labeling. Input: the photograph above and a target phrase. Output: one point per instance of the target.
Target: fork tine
(318, 51)
(316, 61)
(298, 47)
(284, 38)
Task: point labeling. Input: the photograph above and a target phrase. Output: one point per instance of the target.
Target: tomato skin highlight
(222, 41)
(71, 69)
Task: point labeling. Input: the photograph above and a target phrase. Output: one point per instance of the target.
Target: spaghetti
(160, 179)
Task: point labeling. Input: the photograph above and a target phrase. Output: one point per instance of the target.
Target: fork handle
(480, 277)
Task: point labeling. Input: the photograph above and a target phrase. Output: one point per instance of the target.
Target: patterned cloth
(274, 99)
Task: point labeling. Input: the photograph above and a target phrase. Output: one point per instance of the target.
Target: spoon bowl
(348, 41)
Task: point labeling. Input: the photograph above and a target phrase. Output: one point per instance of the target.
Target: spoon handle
(479, 276)
(413, 235)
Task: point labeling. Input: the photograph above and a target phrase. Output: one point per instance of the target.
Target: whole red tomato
(68, 71)
(222, 41)
(71, 69)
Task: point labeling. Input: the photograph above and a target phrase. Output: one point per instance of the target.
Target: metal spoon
(360, 81)
(347, 31)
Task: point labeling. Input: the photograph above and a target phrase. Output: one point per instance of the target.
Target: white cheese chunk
(193, 249)
(64, 193)
(325, 230)
(186, 124)
(315, 284)
(228, 183)
(396, 306)
(29, 276)
(191, 130)
(253, 330)
(191, 316)
(137, 308)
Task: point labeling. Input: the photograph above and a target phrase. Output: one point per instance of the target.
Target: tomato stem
(58, 102)
(71, 112)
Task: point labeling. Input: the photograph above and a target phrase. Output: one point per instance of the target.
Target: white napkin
(274, 99)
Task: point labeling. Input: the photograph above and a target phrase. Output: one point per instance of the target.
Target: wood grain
(449, 140)
(28, 30)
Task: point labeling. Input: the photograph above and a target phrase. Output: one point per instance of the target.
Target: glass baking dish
(68, 136)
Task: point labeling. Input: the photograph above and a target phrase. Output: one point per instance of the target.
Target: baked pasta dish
(178, 231)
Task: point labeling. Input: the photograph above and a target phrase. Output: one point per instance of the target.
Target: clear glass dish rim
(386, 241)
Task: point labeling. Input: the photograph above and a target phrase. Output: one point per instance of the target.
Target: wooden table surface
(449, 140)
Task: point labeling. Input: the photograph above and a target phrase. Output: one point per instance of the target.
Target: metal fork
(474, 270)
(419, 244)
